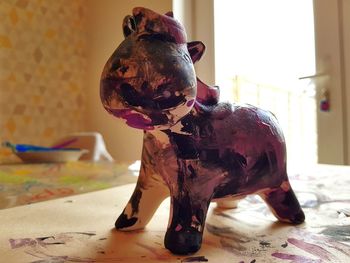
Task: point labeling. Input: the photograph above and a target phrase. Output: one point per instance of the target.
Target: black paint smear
(345, 212)
(284, 245)
(185, 146)
(182, 212)
(199, 126)
(104, 238)
(124, 69)
(115, 65)
(138, 18)
(129, 26)
(195, 259)
(339, 233)
(135, 201)
(265, 244)
(192, 172)
(210, 157)
(158, 118)
(145, 98)
(231, 162)
(187, 124)
(228, 159)
(228, 233)
(173, 101)
(149, 25)
(55, 243)
(145, 87)
(210, 101)
(82, 233)
(130, 95)
(266, 165)
(155, 36)
(224, 215)
(123, 221)
(232, 246)
(106, 92)
(42, 239)
(126, 30)
(253, 261)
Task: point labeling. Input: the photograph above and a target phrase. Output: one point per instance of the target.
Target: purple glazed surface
(195, 149)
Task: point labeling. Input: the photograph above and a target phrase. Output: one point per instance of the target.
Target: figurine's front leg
(186, 224)
(149, 192)
(191, 193)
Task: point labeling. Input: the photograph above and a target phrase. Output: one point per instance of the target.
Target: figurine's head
(149, 81)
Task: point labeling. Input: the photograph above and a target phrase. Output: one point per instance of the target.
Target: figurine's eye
(129, 25)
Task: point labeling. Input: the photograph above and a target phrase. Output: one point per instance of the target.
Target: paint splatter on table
(80, 228)
(29, 183)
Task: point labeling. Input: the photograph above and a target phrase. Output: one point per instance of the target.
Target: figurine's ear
(170, 13)
(196, 50)
(129, 25)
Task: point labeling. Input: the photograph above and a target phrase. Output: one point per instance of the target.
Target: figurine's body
(195, 149)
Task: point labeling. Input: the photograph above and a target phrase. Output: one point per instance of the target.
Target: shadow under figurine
(195, 149)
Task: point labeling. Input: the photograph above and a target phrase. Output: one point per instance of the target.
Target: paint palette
(53, 156)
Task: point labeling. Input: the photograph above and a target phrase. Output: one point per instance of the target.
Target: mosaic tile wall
(42, 69)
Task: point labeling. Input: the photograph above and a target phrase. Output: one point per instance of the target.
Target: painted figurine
(195, 149)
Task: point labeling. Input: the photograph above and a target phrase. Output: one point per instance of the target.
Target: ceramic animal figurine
(195, 149)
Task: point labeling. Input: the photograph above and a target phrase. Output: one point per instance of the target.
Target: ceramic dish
(54, 156)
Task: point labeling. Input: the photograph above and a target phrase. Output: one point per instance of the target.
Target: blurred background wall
(51, 57)
(43, 65)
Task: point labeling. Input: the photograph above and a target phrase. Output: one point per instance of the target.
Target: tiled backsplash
(42, 69)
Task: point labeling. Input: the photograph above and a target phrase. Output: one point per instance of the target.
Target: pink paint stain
(135, 120)
(311, 248)
(22, 242)
(190, 103)
(178, 228)
(138, 121)
(295, 258)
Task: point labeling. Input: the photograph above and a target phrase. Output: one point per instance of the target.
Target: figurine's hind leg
(149, 192)
(284, 204)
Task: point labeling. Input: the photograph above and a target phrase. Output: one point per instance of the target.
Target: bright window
(262, 48)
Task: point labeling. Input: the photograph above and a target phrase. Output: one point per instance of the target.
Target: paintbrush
(28, 147)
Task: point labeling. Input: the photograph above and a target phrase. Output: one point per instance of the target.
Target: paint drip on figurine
(195, 149)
